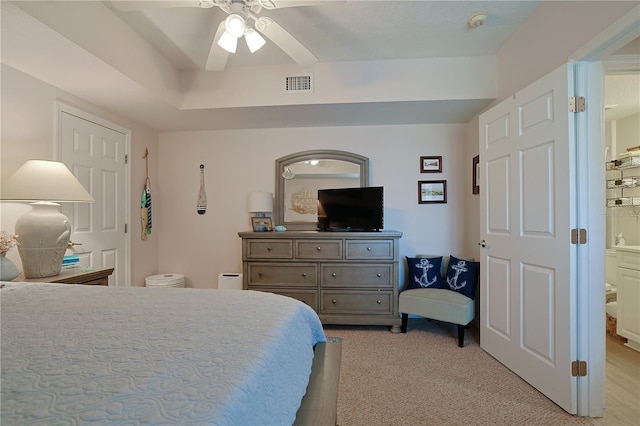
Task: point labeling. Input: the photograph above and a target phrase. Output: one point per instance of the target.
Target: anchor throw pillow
(462, 276)
(424, 272)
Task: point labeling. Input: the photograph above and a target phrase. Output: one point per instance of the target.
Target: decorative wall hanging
(431, 164)
(145, 201)
(475, 189)
(432, 191)
(201, 207)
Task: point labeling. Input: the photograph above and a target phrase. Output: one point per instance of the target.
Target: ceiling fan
(241, 13)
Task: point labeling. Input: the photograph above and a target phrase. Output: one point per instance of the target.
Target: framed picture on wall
(475, 189)
(431, 164)
(432, 191)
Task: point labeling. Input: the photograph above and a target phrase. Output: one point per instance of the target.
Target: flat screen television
(351, 209)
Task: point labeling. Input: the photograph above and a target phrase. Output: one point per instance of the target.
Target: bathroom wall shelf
(623, 202)
(627, 182)
(623, 182)
(624, 163)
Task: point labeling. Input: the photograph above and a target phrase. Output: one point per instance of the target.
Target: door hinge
(126, 159)
(579, 236)
(577, 104)
(578, 368)
(126, 228)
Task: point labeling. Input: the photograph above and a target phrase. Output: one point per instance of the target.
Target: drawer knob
(379, 302)
(304, 274)
(260, 274)
(334, 301)
(333, 274)
(268, 248)
(318, 248)
(379, 275)
(368, 248)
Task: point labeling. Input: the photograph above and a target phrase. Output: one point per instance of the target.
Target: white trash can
(230, 281)
(165, 280)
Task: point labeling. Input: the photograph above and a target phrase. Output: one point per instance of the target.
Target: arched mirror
(300, 175)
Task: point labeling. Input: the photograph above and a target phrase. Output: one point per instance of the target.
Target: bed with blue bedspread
(74, 354)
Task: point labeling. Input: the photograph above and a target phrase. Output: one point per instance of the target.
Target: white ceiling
(337, 31)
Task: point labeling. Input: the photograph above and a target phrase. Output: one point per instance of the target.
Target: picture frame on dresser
(261, 224)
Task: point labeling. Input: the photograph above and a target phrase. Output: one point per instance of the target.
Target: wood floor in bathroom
(622, 406)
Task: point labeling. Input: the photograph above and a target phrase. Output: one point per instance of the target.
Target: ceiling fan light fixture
(235, 25)
(254, 40)
(228, 42)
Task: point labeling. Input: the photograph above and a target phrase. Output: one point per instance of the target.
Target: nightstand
(74, 276)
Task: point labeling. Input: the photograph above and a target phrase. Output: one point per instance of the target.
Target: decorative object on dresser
(44, 232)
(260, 203)
(347, 277)
(8, 270)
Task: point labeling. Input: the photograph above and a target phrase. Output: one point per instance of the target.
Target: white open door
(95, 154)
(527, 209)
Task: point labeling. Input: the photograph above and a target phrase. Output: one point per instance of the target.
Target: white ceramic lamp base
(43, 238)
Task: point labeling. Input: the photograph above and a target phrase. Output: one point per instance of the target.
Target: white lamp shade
(40, 180)
(260, 202)
(254, 40)
(44, 232)
(228, 42)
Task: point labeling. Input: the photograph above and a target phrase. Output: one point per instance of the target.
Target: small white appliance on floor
(230, 281)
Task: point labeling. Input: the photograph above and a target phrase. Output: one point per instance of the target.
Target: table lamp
(260, 203)
(43, 234)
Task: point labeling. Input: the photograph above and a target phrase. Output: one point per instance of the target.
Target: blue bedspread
(74, 354)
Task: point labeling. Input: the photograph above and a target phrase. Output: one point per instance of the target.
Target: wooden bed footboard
(319, 405)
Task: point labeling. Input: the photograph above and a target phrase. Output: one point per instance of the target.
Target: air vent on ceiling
(297, 84)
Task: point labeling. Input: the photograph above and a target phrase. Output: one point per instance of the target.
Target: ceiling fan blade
(217, 59)
(286, 42)
(131, 5)
(279, 4)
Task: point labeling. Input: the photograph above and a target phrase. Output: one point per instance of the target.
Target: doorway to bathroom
(622, 132)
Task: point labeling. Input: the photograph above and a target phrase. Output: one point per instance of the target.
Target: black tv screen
(351, 209)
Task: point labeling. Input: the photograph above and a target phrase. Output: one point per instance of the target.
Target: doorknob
(483, 243)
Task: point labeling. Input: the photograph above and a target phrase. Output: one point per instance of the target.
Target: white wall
(553, 32)
(238, 162)
(28, 119)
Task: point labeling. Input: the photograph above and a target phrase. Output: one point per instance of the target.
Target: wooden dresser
(346, 277)
(75, 276)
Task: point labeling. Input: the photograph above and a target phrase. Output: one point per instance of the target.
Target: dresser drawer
(356, 275)
(308, 297)
(356, 302)
(369, 249)
(268, 274)
(269, 249)
(318, 249)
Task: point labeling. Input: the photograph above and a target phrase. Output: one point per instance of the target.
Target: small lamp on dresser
(44, 232)
(260, 203)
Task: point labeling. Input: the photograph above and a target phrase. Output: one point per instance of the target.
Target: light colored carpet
(424, 378)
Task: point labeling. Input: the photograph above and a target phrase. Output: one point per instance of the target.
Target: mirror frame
(318, 154)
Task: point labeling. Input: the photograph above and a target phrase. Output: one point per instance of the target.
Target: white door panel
(527, 283)
(96, 155)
